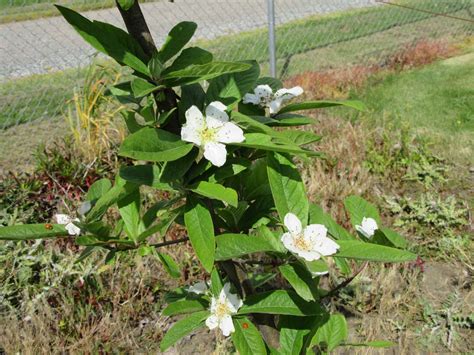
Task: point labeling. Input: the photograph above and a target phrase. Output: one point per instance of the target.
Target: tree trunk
(138, 28)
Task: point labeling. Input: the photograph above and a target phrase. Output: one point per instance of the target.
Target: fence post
(271, 37)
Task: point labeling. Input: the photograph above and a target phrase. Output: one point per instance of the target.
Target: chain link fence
(42, 59)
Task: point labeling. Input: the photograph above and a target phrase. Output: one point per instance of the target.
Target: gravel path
(49, 44)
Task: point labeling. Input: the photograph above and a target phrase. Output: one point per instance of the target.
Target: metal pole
(271, 37)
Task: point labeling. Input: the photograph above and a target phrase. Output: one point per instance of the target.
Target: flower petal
(275, 105)
(215, 153)
(216, 115)
(213, 304)
(292, 223)
(226, 325)
(230, 133)
(314, 231)
(224, 292)
(62, 218)
(309, 255)
(234, 302)
(191, 134)
(287, 94)
(251, 99)
(327, 246)
(263, 92)
(198, 288)
(194, 118)
(73, 229)
(212, 321)
(289, 242)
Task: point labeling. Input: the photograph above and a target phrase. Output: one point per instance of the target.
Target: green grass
(37, 96)
(302, 36)
(21, 10)
(315, 43)
(436, 100)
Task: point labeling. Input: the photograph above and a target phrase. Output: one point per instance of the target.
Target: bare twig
(170, 242)
(335, 290)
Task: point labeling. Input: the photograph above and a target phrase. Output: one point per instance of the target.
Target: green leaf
(301, 280)
(192, 94)
(256, 180)
(108, 39)
(232, 168)
(97, 189)
(216, 282)
(216, 192)
(197, 73)
(176, 169)
(182, 328)
(359, 208)
(189, 56)
(116, 193)
(354, 249)
(165, 117)
(142, 87)
(185, 306)
(148, 111)
(32, 231)
(231, 246)
(292, 333)
(317, 216)
(231, 88)
(316, 267)
(155, 66)
(310, 105)
(251, 125)
(287, 187)
(126, 4)
(288, 120)
(247, 338)
(169, 264)
(395, 239)
(201, 232)
(274, 83)
(150, 216)
(162, 226)
(273, 238)
(331, 333)
(153, 144)
(299, 137)
(177, 38)
(279, 302)
(265, 142)
(147, 174)
(131, 122)
(129, 208)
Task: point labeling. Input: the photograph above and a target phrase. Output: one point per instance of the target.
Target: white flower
(368, 227)
(199, 288)
(211, 131)
(222, 309)
(68, 222)
(264, 97)
(310, 243)
(320, 273)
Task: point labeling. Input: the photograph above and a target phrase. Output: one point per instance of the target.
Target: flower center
(222, 309)
(302, 244)
(208, 134)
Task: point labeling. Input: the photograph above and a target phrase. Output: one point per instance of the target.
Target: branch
(335, 290)
(170, 242)
(138, 28)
